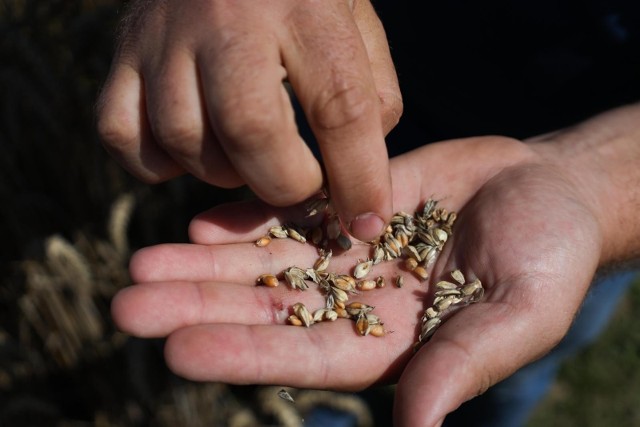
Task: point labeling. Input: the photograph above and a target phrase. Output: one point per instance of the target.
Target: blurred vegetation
(600, 387)
(71, 218)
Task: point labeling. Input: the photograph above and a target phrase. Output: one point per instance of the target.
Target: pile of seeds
(418, 239)
(447, 296)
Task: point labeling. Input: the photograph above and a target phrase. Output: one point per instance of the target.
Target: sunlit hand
(523, 229)
(197, 86)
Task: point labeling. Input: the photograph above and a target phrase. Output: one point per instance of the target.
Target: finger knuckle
(392, 109)
(118, 135)
(181, 137)
(248, 130)
(346, 101)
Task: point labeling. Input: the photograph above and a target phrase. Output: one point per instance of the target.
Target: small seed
(316, 235)
(263, 241)
(399, 281)
(344, 242)
(427, 237)
(330, 302)
(366, 285)
(323, 262)
(451, 219)
(312, 275)
(357, 308)
(331, 315)
(430, 256)
(458, 276)
(377, 331)
(284, 394)
(319, 314)
(445, 303)
(399, 218)
(441, 235)
(351, 280)
(378, 254)
(411, 252)
(294, 320)
(362, 325)
(279, 232)
(392, 245)
(316, 206)
(362, 269)
(421, 272)
(443, 284)
(429, 328)
(403, 238)
(410, 264)
(303, 314)
(333, 227)
(295, 280)
(341, 282)
(295, 235)
(439, 214)
(359, 305)
(380, 282)
(431, 313)
(373, 319)
(268, 280)
(474, 290)
(341, 312)
(339, 294)
(471, 287)
(429, 207)
(448, 292)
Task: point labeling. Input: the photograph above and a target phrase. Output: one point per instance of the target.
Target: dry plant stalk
(289, 406)
(119, 218)
(418, 239)
(65, 290)
(280, 409)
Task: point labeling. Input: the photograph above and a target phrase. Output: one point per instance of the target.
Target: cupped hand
(197, 86)
(524, 229)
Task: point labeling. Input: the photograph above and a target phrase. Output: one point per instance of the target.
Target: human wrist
(600, 158)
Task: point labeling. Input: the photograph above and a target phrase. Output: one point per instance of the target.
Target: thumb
(473, 350)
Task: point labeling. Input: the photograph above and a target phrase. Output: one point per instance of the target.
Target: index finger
(331, 73)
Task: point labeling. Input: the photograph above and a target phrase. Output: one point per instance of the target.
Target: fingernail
(366, 227)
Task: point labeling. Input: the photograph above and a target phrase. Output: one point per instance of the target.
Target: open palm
(523, 229)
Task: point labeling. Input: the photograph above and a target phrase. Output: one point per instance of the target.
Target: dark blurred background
(70, 219)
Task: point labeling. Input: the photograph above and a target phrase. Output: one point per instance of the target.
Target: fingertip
(152, 263)
(179, 347)
(359, 180)
(189, 351)
(139, 270)
(367, 227)
(119, 310)
(365, 208)
(134, 312)
(391, 106)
